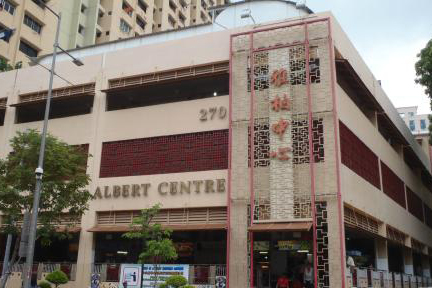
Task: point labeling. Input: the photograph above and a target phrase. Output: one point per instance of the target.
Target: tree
(44, 284)
(57, 278)
(64, 185)
(158, 247)
(5, 66)
(423, 69)
(176, 281)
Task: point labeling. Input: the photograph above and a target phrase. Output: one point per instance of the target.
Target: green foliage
(176, 281)
(423, 68)
(64, 183)
(187, 286)
(44, 284)
(5, 66)
(157, 242)
(158, 247)
(57, 277)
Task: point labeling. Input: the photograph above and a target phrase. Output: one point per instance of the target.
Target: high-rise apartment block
(89, 22)
(34, 30)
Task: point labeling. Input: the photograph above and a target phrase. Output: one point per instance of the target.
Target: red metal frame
(229, 168)
(336, 133)
(311, 156)
(252, 154)
(336, 129)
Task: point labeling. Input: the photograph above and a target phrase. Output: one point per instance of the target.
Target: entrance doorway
(281, 254)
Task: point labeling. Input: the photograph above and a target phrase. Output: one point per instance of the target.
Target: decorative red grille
(415, 204)
(166, 154)
(428, 215)
(358, 157)
(393, 186)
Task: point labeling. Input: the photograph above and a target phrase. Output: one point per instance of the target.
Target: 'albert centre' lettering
(163, 188)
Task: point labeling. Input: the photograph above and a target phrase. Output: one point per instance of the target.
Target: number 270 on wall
(212, 112)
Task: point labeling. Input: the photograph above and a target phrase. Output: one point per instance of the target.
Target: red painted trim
(229, 166)
(282, 26)
(336, 133)
(281, 46)
(251, 151)
(311, 156)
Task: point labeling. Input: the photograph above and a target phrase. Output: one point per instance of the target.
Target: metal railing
(47, 267)
(372, 278)
(202, 274)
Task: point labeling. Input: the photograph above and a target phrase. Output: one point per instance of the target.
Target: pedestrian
(283, 281)
(308, 276)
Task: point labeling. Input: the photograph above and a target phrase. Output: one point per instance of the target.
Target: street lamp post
(39, 170)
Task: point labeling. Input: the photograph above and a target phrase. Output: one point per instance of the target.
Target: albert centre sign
(163, 188)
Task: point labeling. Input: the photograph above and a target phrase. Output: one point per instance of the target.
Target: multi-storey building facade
(34, 30)
(269, 146)
(89, 22)
(417, 123)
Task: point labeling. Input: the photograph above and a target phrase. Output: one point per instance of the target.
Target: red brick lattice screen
(165, 154)
(358, 157)
(393, 186)
(415, 204)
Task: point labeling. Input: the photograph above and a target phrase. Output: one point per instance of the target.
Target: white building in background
(417, 123)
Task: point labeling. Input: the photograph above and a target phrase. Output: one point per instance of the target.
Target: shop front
(282, 255)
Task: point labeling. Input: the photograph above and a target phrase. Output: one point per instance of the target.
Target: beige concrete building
(89, 22)
(269, 145)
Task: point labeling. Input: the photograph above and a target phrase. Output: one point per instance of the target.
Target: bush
(176, 281)
(187, 286)
(57, 277)
(44, 284)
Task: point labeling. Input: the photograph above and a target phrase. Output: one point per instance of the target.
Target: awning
(73, 229)
(291, 226)
(189, 227)
(59, 93)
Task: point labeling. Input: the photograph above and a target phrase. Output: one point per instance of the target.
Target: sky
(388, 35)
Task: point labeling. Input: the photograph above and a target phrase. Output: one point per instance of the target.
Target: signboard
(131, 274)
(163, 272)
(293, 245)
(261, 245)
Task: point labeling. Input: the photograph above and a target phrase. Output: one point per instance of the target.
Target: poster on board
(130, 274)
(162, 273)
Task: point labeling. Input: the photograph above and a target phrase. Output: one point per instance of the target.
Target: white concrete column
(408, 261)
(426, 266)
(381, 254)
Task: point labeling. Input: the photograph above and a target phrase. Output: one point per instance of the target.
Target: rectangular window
(4, 28)
(81, 29)
(423, 124)
(402, 115)
(33, 24)
(169, 92)
(9, 7)
(27, 49)
(40, 3)
(411, 114)
(140, 22)
(171, 21)
(83, 8)
(142, 5)
(412, 125)
(127, 9)
(124, 27)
